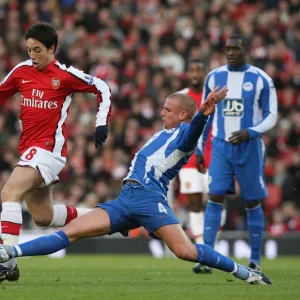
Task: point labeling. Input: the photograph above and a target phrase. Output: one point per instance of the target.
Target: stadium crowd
(141, 49)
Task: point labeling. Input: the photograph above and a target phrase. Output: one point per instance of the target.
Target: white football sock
(11, 223)
(196, 224)
(63, 214)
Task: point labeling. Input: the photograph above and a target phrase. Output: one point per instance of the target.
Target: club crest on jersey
(55, 82)
(248, 86)
(233, 108)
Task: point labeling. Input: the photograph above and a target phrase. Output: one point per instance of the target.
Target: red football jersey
(45, 98)
(207, 151)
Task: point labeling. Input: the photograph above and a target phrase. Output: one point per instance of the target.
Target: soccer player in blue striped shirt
(239, 120)
(143, 199)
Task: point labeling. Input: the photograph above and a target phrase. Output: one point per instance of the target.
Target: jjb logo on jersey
(233, 108)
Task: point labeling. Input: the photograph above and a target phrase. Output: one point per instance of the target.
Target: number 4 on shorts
(162, 209)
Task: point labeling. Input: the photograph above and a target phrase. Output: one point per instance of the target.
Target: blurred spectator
(277, 226)
(291, 216)
(141, 49)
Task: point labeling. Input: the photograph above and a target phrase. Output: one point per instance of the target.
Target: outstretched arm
(199, 121)
(200, 163)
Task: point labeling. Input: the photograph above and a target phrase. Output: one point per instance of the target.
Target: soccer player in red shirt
(46, 89)
(193, 176)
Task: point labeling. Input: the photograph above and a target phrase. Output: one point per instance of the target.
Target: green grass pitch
(143, 277)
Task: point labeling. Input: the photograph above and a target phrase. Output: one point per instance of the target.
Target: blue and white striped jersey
(164, 154)
(251, 101)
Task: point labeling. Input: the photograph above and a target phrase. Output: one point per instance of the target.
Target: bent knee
(184, 253)
(73, 232)
(42, 222)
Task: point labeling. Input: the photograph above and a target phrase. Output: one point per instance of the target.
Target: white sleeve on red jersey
(82, 82)
(183, 91)
(9, 85)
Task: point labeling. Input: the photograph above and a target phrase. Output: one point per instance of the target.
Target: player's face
(39, 54)
(235, 53)
(195, 74)
(172, 113)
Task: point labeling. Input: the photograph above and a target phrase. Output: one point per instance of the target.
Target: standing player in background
(193, 176)
(46, 89)
(249, 110)
(194, 183)
(143, 199)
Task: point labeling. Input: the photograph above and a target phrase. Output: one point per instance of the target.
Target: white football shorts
(47, 163)
(192, 181)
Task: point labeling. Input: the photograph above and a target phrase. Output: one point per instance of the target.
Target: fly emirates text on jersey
(38, 101)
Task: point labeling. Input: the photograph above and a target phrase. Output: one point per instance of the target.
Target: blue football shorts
(246, 162)
(137, 206)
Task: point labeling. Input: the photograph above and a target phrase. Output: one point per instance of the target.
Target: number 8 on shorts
(31, 153)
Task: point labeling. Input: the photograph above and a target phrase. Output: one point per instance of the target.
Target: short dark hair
(238, 36)
(195, 61)
(44, 33)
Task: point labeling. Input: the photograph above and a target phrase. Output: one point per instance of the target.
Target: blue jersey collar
(240, 69)
(171, 130)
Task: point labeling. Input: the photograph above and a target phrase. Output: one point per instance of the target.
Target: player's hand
(214, 97)
(239, 137)
(200, 164)
(100, 135)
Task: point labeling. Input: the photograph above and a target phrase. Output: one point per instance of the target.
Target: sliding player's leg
(153, 212)
(95, 223)
(182, 247)
(107, 218)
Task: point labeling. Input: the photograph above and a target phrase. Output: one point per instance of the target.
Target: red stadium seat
(274, 198)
